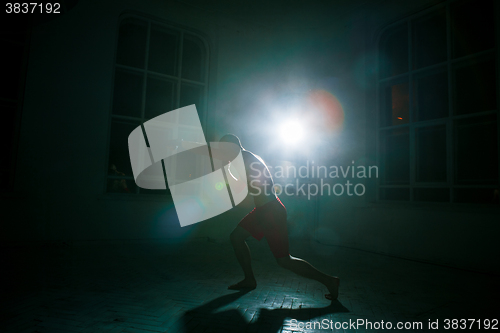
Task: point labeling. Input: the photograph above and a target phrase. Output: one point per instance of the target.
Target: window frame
(181, 30)
(413, 125)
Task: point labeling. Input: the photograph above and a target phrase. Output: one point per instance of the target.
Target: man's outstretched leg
(305, 269)
(242, 252)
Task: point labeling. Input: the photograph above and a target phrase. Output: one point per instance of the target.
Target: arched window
(158, 68)
(438, 116)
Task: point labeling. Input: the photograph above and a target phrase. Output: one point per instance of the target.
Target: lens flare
(327, 110)
(291, 132)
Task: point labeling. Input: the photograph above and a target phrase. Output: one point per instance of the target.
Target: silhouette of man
(268, 219)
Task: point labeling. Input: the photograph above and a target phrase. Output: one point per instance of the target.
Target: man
(268, 219)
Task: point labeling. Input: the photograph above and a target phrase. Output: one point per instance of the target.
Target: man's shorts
(269, 221)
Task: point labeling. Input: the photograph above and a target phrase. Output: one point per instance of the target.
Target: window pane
(473, 28)
(476, 195)
(163, 50)
(429, 39)
(159, 97)
(475, 87)
(127, 96)
(191, 94)
(395, 107)
(431, 154)
(395, 156)
(394, 51)
(193, 58)
(10, 70)
(118, 147)
(132, 43)
(431, 95)
(476, 149)
(432, 194)
(398, 194)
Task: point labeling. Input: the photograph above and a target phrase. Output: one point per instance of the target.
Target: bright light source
(291, 132)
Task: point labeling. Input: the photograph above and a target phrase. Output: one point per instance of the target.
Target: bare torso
(259, 179)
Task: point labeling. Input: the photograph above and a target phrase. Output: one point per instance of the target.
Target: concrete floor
(153, 287)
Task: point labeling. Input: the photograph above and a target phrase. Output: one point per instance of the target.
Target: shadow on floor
(206, 316)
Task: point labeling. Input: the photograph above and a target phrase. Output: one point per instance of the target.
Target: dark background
(416, 80)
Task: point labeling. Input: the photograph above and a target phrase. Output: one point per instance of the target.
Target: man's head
(231, 138)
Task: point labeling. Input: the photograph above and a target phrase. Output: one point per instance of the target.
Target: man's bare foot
(333, 288)
(245, 284)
